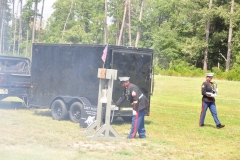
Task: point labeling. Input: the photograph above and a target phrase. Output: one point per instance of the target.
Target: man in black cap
(208, 101)
(139, 101)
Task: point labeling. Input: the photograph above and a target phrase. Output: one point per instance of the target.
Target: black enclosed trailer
(64, 76)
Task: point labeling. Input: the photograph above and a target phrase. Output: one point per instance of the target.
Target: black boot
(220, 126)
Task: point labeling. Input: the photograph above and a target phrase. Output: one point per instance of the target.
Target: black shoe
(202, 125)
(220, 126)
(143, 137)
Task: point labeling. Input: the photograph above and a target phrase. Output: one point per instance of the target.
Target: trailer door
(136, 64)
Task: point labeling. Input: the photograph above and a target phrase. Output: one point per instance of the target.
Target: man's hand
(114, 107)
(134, 105)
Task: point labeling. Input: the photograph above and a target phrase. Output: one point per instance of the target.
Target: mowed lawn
(172, 128)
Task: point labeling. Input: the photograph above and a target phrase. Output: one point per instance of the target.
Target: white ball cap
(123, 79)
(209, 74)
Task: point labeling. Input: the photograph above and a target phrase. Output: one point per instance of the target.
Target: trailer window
(13, 66)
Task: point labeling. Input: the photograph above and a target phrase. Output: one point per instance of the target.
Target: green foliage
(166, 41)
(84, 24)
(181, 68)
(157, 70)
(218, 73)
(234, 73)
(72, 35)
(5, 27)
(175, 29)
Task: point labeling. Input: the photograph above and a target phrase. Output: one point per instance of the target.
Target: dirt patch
(107, 145)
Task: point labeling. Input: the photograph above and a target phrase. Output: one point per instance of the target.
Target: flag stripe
(104, 55)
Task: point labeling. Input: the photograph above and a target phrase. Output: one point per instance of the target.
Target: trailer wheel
(75, 112)
(59, 110)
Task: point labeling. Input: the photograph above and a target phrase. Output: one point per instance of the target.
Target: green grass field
(172, 129)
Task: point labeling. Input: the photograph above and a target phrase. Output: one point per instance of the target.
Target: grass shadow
(47, 113)
(209, 125)
(120, 121)
(9, 105)
(148, 122)
(42, 112)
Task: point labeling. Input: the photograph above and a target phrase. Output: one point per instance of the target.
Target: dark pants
(213, 109)
(138, 125)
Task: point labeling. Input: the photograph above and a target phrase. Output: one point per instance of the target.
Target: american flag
(104, 56)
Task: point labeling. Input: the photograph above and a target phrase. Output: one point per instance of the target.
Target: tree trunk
(34, 25)
(3, 5)
(67, 18)
(15, 28)
(123, 23)
(229, 39)
(13, 18)
(116, 36)
(20, 28)
(27, 42)
(105, 23)
(40, 27)
(207, 39)
(117, 30)
(206, 49)
(140, 19)
(129, 23)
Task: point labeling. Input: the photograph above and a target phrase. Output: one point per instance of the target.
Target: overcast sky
(47, 7)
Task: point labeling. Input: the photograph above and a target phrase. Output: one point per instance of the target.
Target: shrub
(157, 70)
(180, 68)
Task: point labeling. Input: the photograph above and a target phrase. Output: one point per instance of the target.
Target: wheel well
(67, 100)
(56, 98)
(73, 101)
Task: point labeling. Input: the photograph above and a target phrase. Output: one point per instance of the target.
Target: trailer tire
(59, 110)
(75, 112)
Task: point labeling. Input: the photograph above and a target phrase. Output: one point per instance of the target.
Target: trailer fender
(68, 100)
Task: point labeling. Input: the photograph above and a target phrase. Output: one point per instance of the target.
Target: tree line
(201, 33)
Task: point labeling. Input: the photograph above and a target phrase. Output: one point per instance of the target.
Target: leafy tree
(40, 27)
(87, 17)
(175, 29)
(5, 17)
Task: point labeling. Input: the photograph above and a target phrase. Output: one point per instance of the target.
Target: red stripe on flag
(104, 55)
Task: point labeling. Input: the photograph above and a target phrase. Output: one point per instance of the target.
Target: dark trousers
(138, 125)
(213, 110)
